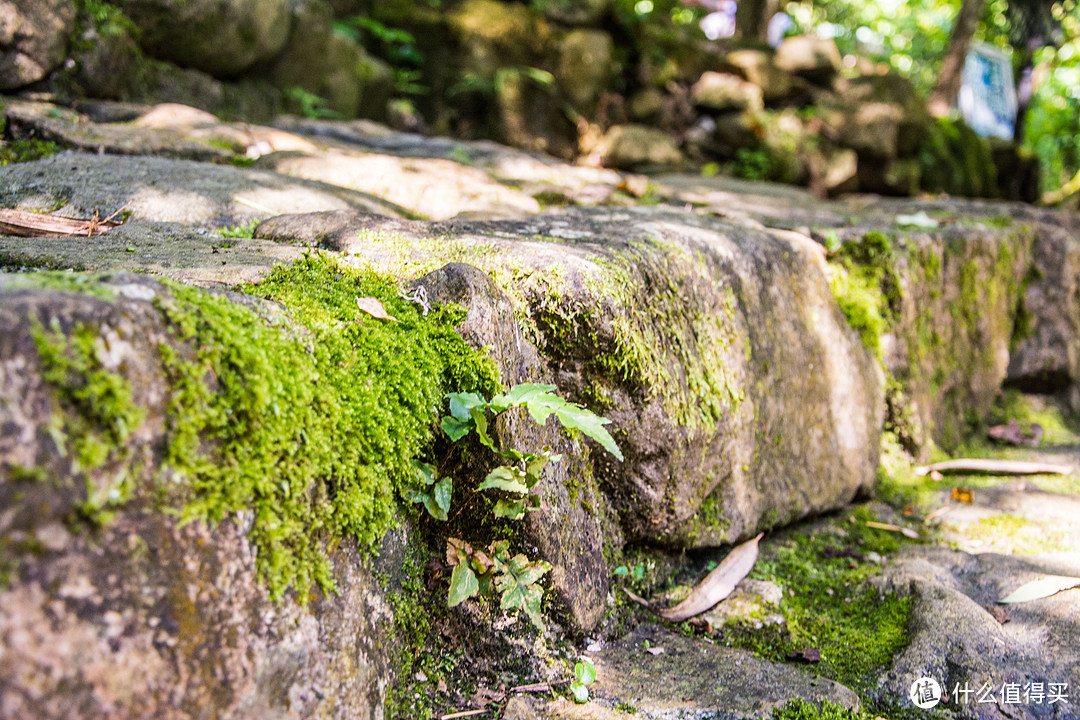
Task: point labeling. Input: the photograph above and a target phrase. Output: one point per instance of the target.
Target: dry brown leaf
(374, 308)
(1001, 467)
(906, 532)
(718, 584)
(21, 223)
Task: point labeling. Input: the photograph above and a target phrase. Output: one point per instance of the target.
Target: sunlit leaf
(511, 509)
(442, 491)
(580, 692)
(579, 418)
(505, 478)
(919, 220)
(518, 395)
(585, 672)
(463, 585)
(455, 429)
(1041, 588)
(480, 422)
(462, 403)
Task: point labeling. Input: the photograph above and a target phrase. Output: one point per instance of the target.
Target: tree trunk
(752, 19)
(948, 84)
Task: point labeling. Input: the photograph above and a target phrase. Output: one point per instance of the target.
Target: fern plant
(493, 569)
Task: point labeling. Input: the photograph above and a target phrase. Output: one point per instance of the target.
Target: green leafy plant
(584, 675)
(485, 571)
(309, 104)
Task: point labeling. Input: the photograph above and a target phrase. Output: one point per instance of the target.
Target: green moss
(313, 435)
(866, 287)
(95, 410)
(826, 603)
(309, 431)
(17, 151)
(803, 710)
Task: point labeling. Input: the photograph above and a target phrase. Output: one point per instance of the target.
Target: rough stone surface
(436, 189)
(146, 617)
(631, 147)
(721, 91)
(568, 529)
(693, 678)
(1046, 354)
(583, 66)
(759, 68)
(164, 190)
(219, 37)
(809, 56)
(33, 38)
(574, 12)
(740, 364)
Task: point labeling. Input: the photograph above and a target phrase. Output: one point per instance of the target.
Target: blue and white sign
(987, 92)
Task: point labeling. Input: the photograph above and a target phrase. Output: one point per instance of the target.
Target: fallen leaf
(962, 494)
(1042, 588)
(936, 476)
(655, 650)
(810, 654)
(21, 223)
(906, 532)
(374, 308)
(1003, 467)
(718, 584)
(919, 219)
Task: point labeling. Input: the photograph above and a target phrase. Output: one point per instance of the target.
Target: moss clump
(96, 413)
(827, 605)
(866, 287)
(314, 436)
(17, 151)
(803, 710)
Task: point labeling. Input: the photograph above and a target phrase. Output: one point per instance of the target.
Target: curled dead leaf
(718, 584)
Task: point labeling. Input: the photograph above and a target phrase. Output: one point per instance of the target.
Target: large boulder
(738, 394)
(220, 37)
(493, 35)
(583, 66)
(809, 56)
(630, 147)
(122, 609)
(529, 117)
(33, 38)
(723, 92)
(759, 67)
(574, 12)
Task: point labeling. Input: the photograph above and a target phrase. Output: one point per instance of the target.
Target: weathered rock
(328, 64)
(907, 108)
(147, 616)
(809, 56)
(567, 530)
(635, 147)
(709, 433)
(493, 35)
(872, 129)
(528, 117)
(759, 68)
(33, 38)
(840, 172)
(646, 103)
(583, 66)
(1045, 352)
(574, 12)
(220, 37)
(725, 92)
(692, 678)
(437, 189)
(168, 129)
(163, 190)
(955, 640)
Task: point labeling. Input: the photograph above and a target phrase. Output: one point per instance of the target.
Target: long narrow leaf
(718, 584)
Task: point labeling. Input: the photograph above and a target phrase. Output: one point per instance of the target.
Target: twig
(463, 713)
(534, 687)
(1004, 467)
(255, 205)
